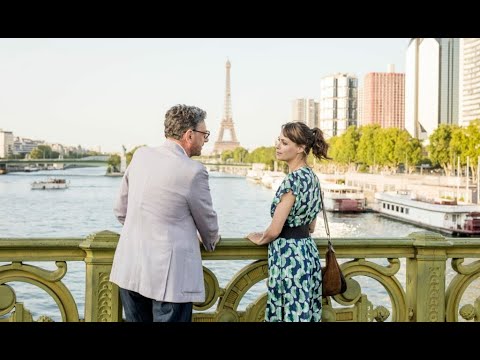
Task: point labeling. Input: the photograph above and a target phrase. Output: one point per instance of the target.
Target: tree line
(370, 148)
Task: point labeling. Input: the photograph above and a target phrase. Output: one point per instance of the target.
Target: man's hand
(218, 240)
(210, 247)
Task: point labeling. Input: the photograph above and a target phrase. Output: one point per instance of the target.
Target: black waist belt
(297, 232)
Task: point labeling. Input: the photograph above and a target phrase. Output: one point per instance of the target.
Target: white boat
(31, 168)
(342, 198)
(441, 215)
(50, 184)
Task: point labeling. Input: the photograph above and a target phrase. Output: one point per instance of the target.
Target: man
(164, 199)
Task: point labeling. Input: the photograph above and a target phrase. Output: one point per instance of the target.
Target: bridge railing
(411, 271)
(82, 161)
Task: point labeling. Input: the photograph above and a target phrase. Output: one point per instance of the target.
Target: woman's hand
(255, 237)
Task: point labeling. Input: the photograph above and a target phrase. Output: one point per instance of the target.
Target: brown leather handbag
(333, 281)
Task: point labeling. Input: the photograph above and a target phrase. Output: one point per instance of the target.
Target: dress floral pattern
(295, 276)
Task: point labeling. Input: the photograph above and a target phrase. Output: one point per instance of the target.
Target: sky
(114, 92)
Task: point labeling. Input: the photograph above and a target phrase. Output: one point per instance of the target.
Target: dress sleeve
(290, 183)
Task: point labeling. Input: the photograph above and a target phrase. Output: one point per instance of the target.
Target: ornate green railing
(424, 297)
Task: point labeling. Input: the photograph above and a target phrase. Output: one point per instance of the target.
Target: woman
(295, 274)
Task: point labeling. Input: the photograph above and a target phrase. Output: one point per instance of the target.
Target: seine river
(86, 207)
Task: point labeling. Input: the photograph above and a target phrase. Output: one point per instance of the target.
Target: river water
(86, 207)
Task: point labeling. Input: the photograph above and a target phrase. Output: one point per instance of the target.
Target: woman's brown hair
(312, 139)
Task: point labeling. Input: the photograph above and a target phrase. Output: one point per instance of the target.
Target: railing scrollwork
(466, 274)
(44, 279)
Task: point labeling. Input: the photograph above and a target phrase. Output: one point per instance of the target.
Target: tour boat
(441, 215)
(342, 198)
(50, 184)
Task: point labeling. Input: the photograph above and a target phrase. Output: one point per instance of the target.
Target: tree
(129, 155)
(16, 156)
(458, 145)
(343, 148)
(415, 153)
(472, 133)
(41, 152)
(227, 155)
(114, 163)
(240, 154)
(334, 147)
(407, 150)
(439, 149)
(348, 145)
(366, 145)
(384, 142)
(265, 155)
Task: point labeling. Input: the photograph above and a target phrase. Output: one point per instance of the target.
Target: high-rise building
(469, 80)
(6, 143)
(338, 103)
(227, 122)
(431, 84)
(360, 105)
(383, 100)
(306, 111)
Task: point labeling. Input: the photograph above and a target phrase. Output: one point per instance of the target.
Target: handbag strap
(327, 229)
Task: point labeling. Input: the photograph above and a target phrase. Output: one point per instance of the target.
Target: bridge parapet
(421, 294)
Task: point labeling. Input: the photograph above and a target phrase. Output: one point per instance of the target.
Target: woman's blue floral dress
(295, 275)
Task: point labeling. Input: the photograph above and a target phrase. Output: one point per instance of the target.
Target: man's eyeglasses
(206, 134)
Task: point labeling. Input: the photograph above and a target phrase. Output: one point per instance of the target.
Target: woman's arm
(279, 217)
(311, 227)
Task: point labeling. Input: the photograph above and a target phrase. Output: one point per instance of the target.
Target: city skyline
(109, 92)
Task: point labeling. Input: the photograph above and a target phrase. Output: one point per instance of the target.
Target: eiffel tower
(227, 122)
